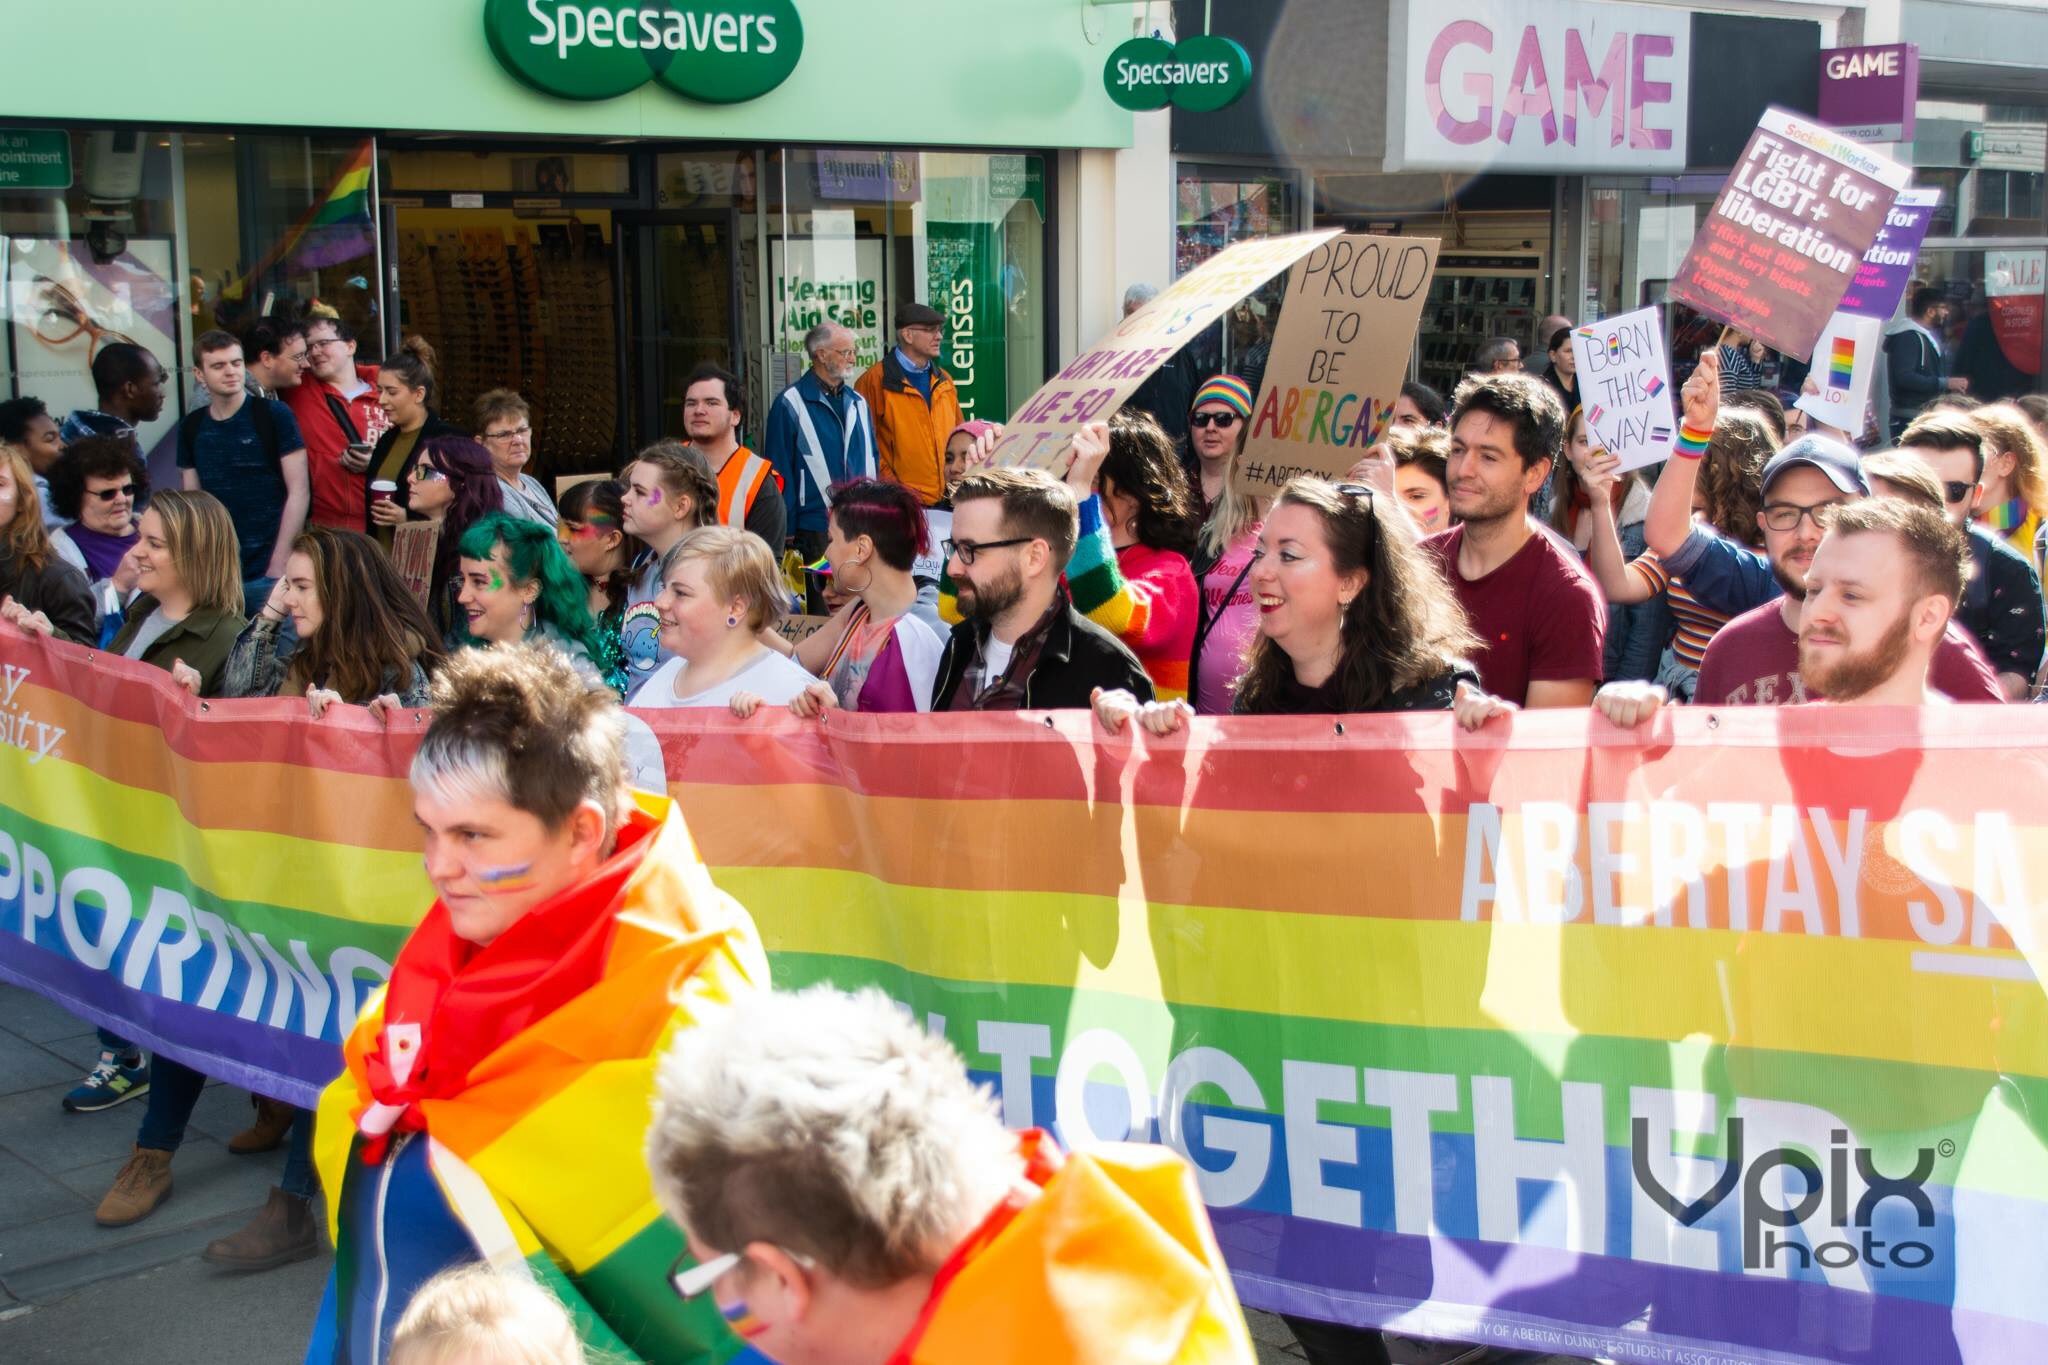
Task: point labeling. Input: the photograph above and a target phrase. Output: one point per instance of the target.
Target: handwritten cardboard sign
(1346, 329)
(1844, 362)
(1625, 386)
(797, 629)
(1098, 381)
(1789, 231)
(413, 544)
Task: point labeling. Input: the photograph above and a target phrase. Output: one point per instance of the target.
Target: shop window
(541, 173)
(854, 233)
(1994, 337)
(1218, 205)
(1988, 160)
(165, 234)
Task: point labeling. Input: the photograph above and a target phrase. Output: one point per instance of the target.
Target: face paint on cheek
(741, 1319)
(504, 881)
(654, 496)
(497, 581)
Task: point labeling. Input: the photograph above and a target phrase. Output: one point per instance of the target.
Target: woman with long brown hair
(405, 391)
(34, 581)
(363, 639)
(1352, 617)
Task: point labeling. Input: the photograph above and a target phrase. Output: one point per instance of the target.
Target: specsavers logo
(718, 51)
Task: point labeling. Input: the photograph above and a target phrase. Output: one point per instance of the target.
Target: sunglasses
(426, 473)
(126, 490)
(1957, 490)
(1214, 419)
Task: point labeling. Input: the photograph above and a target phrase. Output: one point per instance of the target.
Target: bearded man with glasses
(1022, 645)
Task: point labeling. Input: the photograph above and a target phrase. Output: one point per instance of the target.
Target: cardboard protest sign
(1845, 361)
(565, 482)
(1789, 231)
(1337, 362)
(1625, 386)
(412, 553)
(1887, 267)
(1096, 383)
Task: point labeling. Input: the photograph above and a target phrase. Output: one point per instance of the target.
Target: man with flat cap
(914, 403)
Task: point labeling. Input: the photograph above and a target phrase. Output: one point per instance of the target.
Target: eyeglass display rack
(501, 313)
(1474, 297)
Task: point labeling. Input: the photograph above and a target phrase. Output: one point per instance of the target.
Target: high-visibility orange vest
(739, 483)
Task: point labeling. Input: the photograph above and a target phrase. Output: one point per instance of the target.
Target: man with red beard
(1880, 592)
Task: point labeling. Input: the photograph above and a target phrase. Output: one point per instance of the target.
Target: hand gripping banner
(1724, 1041)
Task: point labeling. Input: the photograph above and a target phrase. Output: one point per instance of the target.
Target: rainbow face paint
(741, 1319)
(504, 881)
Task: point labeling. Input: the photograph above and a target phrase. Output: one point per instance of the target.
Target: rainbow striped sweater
(1147, 598)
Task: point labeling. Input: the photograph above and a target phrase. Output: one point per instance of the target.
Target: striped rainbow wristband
(1692, 442)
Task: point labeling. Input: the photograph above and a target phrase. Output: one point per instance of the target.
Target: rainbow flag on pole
(337, 228)
(1842, 363)
(1535, 1014)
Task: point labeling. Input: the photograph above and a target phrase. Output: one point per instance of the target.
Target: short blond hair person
(850, 1197)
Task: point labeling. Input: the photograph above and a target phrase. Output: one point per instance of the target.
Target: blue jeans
(174, 1091)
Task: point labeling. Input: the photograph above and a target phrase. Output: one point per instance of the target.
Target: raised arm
(1670, 515)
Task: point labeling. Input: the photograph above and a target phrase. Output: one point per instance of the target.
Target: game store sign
(717, 51)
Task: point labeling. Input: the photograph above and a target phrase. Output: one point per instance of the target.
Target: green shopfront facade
(584, 221)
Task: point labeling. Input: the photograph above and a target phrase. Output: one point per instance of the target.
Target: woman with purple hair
(453, 482)
(875, 654)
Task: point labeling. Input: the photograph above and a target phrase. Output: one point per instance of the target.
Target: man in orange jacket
(851, 1198)
(914, 403)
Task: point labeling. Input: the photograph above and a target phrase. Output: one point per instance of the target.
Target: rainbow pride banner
(1725, 1042)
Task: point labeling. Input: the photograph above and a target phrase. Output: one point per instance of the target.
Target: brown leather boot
(282, 1232)
(273, 1121)
(143, 1183)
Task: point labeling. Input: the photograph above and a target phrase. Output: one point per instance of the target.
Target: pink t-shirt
(1754, 661)
(1232, 625)
(1539, 616)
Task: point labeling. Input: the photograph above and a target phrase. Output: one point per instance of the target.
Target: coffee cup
(383, 490)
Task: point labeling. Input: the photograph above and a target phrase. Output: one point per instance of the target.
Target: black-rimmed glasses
(966, 550)
(1786, 516)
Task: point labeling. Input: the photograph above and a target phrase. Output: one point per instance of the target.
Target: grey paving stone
(194, 1312)
(27, 1195)
(206, 1183)
(34, 1127)
(80, 1052)
(26, 1066)
(35, 1018)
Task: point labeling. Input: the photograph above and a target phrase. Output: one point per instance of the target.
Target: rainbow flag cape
(541, 1155)
(1842, 363)
(1509, 1037)
(1112, 1260)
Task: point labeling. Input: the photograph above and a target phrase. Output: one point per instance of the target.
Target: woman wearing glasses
(95, 487)
(452, 482)
(505, 425)
(1352, 618)
(573, 932)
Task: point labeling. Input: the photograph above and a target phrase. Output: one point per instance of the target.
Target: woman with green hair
(517, 584)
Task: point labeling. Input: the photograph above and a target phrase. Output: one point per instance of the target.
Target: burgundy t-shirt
(1540, 617)
(1754, 661)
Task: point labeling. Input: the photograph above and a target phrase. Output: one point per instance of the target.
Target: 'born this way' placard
(1625, 386)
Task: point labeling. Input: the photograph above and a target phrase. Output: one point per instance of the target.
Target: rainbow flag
(337, 228)
(1842, 363)
(1532, 1013)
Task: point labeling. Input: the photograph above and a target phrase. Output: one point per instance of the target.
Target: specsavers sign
(718, 51)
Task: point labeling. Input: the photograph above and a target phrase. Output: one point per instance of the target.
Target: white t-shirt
(995, 658)
(773, 677)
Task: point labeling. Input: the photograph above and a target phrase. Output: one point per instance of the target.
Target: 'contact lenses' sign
(718, 51)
